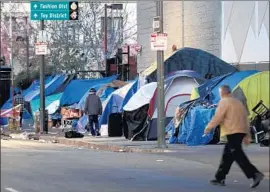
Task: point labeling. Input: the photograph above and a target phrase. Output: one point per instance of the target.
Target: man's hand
(247, 140)
(206, 131)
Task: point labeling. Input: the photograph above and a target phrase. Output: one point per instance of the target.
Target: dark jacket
(19, 100)
(93, 105)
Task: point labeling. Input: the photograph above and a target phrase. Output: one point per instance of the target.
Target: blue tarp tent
(211, 87)
(50, 87)
(192, 128)
(116, 101)
(77, 89)
(83, 99)
(197, 117)
(51, 84)
(197, 60)
(35, 104)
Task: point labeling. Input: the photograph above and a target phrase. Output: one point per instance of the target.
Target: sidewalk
(115, 144)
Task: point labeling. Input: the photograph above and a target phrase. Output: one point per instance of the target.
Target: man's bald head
(224, 91)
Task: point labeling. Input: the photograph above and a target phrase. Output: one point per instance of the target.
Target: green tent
(253, 89)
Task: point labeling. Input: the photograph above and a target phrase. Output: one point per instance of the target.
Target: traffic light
(73, 10)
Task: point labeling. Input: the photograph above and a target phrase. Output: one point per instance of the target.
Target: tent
(209, 90)
(192, 127)
(178, 86)
(254, 88)
(52, 103)
(103, 91)
(198, 115)
(114, 103)
(51, 84)
(136, 111)
(197, 60)
(77, 89)
(50, 87)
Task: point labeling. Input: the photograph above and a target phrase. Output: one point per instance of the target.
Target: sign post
(41, 11)
(159, 44)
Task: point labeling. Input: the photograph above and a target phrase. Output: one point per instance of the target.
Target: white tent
(141, 97)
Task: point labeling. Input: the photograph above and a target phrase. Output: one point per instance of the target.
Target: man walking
(233, 117)
(93, 108)
(19, 100)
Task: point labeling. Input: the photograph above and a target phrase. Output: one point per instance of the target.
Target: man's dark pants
(233, 152)
(21, 118)
(93, 120)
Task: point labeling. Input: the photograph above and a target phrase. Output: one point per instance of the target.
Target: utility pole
(11, 59)
(105, 39)
(183, 24)
(0, 29)
(42, 88)
(27, 48)
(160, 74)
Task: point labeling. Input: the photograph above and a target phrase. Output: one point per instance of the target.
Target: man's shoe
(218, 182)
(256, 180)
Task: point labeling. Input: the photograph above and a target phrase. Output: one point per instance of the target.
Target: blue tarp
(231, 80)
(35, 104)
(196, 60)
(83, 99)
(116, 101)
(192, 128)
(106, 93)
(198, 116)
(211, 86)
(77, 89)
(50, 87)
(51, 84)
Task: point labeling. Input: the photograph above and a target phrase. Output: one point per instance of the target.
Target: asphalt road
(37, 167)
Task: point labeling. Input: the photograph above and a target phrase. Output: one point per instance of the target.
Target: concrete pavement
(41, 167)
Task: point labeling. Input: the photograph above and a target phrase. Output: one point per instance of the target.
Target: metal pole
(128, 61)
(11, 59)
(105, 40)
(160, 70)
(183, 24)
(27, 48)
(0, 29)
(42, 88)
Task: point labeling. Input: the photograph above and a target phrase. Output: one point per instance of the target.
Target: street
(42, 167)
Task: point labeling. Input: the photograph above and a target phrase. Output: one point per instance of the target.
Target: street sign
(159, 41)
(156, 24)
(54, 10)
(41, 48)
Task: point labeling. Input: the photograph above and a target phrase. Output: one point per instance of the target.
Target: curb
(105, 147)
(88, 145)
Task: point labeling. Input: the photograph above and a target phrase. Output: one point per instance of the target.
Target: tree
(74, 45)
(78, 45)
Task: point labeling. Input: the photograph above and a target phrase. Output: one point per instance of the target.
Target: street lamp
(113, 7)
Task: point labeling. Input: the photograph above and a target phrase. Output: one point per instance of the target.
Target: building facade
(204, 25)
